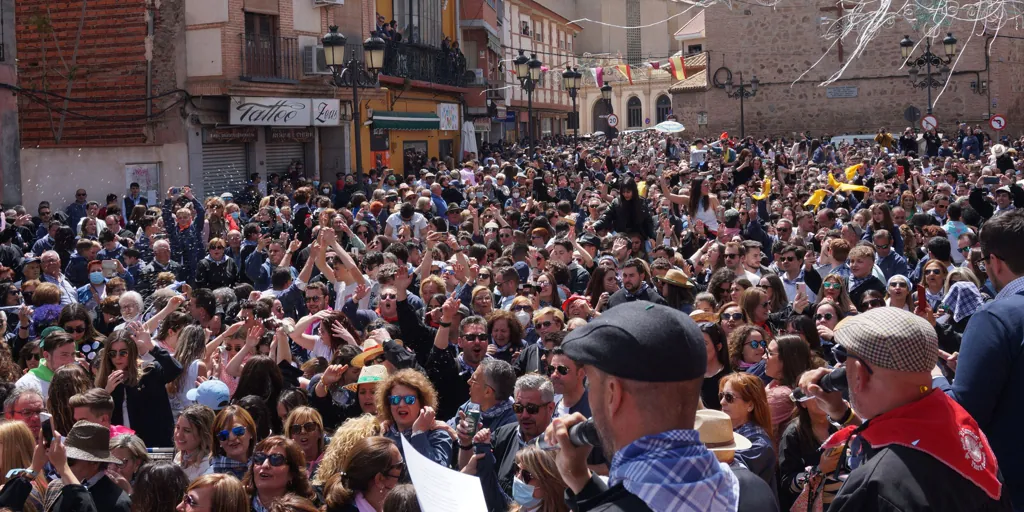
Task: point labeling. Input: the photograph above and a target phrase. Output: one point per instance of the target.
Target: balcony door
(262, 55)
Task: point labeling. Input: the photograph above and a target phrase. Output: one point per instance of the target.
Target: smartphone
(664, 210)
(175, 191)
(47, 433)
(108, 268)
(922, 301)
(990, 180)
(661, 168)
(746, 201)
(801, 288)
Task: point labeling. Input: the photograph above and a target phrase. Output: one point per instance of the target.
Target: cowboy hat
(371, 349)
(676, 277)
(715, 431)
(90, 442)
(998, 150)
(369, 375)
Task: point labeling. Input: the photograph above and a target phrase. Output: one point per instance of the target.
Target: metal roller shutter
(280, 155)
(225, 168)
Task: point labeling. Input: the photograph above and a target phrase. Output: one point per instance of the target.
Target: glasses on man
(561, 369)
(475, 337)
(313, 298)
(518, 408)
(731, 255)
(841, 355)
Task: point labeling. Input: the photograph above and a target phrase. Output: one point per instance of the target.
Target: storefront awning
(406, 120)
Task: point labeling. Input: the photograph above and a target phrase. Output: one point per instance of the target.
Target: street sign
(997, 122)
(929, 122)
(647, 120)
(613, 120)
(912, 114)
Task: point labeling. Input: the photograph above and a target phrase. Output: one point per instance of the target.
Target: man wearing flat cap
(910, 447)
(645, 363)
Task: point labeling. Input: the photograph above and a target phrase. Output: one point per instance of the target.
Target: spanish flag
(766, 189)
(624, 69)
(678, 67)
(816, 198)
(851, 171)
(845, 187)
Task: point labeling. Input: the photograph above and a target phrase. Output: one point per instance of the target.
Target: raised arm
(252, 338)
(299, 335)
(448, 312)
(172, 304)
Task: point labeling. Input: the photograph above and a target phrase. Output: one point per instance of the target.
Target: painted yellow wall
(448, 20)
(411, 101)
(386, 8)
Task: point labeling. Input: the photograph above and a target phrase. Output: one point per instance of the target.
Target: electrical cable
(17, 89)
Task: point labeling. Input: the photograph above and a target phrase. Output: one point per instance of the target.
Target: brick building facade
(780, 44)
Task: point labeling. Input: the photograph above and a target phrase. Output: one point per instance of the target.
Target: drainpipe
(150, 14)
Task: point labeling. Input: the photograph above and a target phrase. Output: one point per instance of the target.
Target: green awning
(406, 120)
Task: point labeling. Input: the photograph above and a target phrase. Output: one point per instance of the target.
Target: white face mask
(523, 317)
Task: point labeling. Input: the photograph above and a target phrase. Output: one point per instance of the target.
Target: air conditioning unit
(313, 61)
(322, 3)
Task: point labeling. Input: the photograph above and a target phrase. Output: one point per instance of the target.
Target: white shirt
(418, 223)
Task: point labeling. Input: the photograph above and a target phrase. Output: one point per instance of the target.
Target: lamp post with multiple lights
(528, 71)
(927, 60)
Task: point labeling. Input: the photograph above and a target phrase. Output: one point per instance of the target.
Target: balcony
(271, 59)
(424, 63)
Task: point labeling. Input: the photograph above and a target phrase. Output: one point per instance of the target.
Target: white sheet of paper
(439, 489)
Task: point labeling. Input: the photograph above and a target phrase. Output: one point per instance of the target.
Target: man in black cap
(645, 363)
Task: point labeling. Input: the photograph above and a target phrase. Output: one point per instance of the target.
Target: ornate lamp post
(927, 60)
(354, 74)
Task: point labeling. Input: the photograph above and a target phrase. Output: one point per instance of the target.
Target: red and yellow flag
(678, 67)
(624, 69)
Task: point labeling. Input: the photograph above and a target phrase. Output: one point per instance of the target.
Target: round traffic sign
(613, 120)
(997, 122)
(929, 122)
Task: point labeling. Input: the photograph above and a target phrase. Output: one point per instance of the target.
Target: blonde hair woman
(537, 485)
(217, 492)
(305, 426)
(345, 437)
(16, 448)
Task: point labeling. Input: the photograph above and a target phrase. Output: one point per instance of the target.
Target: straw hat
(998, 150)
(371, 349)
(369, 375)
(676, 277)
(715, 431)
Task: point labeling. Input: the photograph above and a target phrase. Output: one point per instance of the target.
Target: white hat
(715, 431)
(998, 150)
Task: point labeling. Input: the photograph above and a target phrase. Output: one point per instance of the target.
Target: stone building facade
(779, 45)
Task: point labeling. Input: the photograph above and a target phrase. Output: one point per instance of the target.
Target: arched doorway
(634, 113)
(600, 119)
(663, 108)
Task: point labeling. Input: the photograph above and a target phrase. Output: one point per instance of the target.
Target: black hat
(454, 208)
(588, 239)
(641, 341)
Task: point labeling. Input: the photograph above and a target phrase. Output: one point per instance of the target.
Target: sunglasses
(732, 316)
(756, 344)
(118, 353)
(232, 348)
(964, 250)
(524, 475)
(408, 399)
(731, 256)
(766, 304)
(561, 369)
(546, 324)
(35, 355)
(238, 431)
(788, 259)
(873, 303)
(377, 360)
(518, 408)
(881, 246)
(485, 276)
(898, 284)
(388, 296)
(841, 355)
(276, 459)
(831, 285)
(76, 330)
(527, 308)
(932, 272)
(217, 248)
(475, 337)
(824, 316)
(313, 298)
(727, 396)
(309, 427)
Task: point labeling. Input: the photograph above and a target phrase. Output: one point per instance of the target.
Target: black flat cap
(641, 341)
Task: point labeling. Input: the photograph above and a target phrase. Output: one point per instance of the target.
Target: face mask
(523, 317)
(523, 494)
(480, 195)
(326, 191)
(96, 277)
(234, 215)
(316, 183)
(515, 195)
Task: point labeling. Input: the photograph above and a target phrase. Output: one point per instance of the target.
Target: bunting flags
(654, 65)
(678, 67)
(598, 73)
(624, 69)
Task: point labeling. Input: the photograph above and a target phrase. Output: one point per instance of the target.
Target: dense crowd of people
(644, 322)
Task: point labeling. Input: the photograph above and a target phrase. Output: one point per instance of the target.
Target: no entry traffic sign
(929, 122)
(997, 122)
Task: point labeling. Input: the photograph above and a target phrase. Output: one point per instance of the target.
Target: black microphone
(580, 434)
(835, 381)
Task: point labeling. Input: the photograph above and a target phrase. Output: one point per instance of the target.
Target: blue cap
(212, 393)
(523, 270)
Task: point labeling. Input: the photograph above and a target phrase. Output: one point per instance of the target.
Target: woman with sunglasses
(278, 468)
(139, 388)
(720, 285)
(132, 453)
(786, 359)
(755, 304)
(827, 315)
(933, 278)
(234, 433)
(29, 356)
(898, 293)
(747, 345)
(76, 320)
(871, 299)
(193, 439)
(730, 317)
(305, 426)
(406, 402)
(834, 288)
(215, 493)
(718, 363)
(372, 468)
(743, 398)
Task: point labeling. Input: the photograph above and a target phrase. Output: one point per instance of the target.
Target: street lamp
(606, 93)
(571, 79)
(528, 72)
(741, 91)
(927, 60)
(354, 74)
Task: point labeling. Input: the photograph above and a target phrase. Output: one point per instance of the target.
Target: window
(538, 32)
(634, 113)
(694, 48)
(419, 21)
(663, 108)
(633, 44)
(525, 29)
(261, 45)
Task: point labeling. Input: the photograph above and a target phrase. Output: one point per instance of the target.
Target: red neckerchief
(938, 426)
(392, 320)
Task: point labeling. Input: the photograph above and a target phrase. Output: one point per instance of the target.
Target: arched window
(634, 113)
(663, 108)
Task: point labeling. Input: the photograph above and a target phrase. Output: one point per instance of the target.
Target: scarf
(935, 425)
(388, 319)
(636, 296)
(43, 372)
(497, 410)
(674, 471)
(963, 300)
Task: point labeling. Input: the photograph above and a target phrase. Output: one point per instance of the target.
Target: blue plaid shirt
(673, 471)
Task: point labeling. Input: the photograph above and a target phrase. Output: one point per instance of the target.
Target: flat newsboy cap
(641, 341)
(890, 338)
